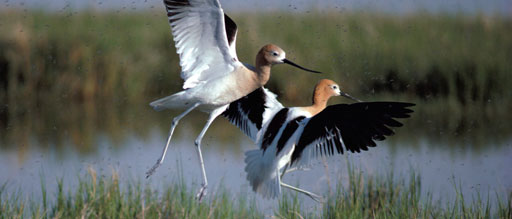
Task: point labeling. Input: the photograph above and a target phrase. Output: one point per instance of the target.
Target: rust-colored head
(271, 54)
(324, 90)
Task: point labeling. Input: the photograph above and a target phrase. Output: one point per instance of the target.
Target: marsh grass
(128, 57)
(104, 197)
(391, 197)
(364, 197)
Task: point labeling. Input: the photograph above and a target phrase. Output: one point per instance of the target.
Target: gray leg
(288, 169)
(293, 169)
(311, 195)
(202, 192)
(285, 170)
(173, 126)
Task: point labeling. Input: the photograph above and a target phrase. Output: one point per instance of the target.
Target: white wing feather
(272, 107)
(200, 39)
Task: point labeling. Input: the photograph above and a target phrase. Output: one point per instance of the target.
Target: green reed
(364, 197)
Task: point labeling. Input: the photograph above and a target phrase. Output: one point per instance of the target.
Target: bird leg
(284, 170)
(175, 121)
(202, 192)
(311, 195)
(288, 169)
(293, 169)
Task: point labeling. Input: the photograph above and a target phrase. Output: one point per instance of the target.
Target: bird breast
(226, 89)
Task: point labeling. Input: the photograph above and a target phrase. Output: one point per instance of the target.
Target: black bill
(298, 66)
(349, 97)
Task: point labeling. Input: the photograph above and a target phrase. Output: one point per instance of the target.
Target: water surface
(130, 144)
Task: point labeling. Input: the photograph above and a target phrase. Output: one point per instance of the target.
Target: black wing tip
(402, 104)
(230, 21)
(231, 29)
(390, 104)
(180, 2)
(170, 4)
(386, 113)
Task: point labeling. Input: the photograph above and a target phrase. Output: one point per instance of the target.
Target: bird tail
(170, 102)
(263, 177)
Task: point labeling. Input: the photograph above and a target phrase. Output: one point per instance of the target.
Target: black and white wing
(251, 112)
(204, 38)
(231, 31)
(350, 127)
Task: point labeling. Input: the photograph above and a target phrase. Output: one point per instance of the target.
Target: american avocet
(205, 41)
(291, 137)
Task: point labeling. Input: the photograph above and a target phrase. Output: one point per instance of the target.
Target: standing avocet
(205, 41)
(291, 137)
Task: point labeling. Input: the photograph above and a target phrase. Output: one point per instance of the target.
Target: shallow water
(132, 151)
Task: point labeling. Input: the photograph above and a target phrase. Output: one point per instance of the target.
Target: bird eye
(334, 87)
(274, 53)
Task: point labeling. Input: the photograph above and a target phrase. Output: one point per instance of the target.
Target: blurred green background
(68, 74)
(77, 77)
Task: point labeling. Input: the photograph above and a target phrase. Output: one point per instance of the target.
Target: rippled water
(131, 151)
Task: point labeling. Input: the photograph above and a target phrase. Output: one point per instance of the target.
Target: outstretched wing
(204, 38)
(352, 126)
(231, 30)
(251, 112)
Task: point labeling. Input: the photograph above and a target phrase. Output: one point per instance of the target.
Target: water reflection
(61, 124)
(79, 126)
(64, 140)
